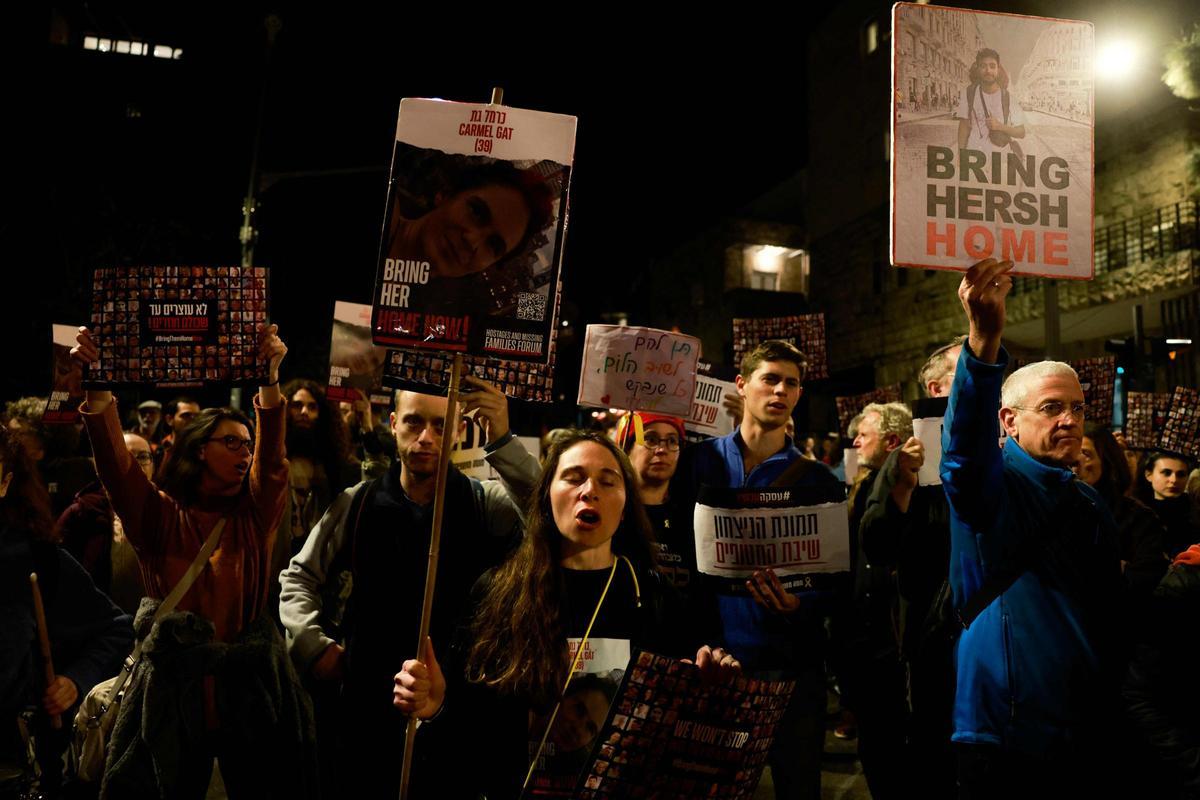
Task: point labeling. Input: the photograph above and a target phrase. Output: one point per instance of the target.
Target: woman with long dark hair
(222, 683)
(1102, 465)
(89, 636)
(583, 579)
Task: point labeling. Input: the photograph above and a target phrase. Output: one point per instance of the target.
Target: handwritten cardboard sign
(641, 369)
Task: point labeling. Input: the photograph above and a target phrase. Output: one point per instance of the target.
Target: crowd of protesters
(1023, 628)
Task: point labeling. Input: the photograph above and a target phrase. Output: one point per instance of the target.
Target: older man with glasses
(1034, 569)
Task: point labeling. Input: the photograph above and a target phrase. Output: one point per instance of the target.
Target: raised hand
(982, 293)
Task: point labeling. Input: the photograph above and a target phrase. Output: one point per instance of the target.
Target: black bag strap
(794, 472)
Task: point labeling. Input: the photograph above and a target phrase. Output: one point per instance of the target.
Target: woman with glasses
(222, 684)
(655, 456)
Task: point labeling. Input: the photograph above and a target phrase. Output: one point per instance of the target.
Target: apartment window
(870, 37)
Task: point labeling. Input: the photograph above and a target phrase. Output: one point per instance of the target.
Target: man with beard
(179, 412)
(319, 468)
(988, 119)
(351, 599)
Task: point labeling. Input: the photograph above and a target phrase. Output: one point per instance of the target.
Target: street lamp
(1117, 60)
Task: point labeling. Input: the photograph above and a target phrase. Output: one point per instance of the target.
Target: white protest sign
(992, 140)
(708, 416)
(641, 369)
(929, 431)
(740, 531)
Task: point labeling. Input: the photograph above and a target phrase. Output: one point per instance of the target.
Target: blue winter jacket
(1031, 667)
(761, 639)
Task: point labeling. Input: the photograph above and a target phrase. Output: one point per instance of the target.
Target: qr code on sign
(531, 305)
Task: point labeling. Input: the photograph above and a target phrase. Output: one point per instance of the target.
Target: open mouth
(588, 518)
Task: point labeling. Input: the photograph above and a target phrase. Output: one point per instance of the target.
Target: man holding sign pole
(777, 634)
(350, 599)
(1034, 568)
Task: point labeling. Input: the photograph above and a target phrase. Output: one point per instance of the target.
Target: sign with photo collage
(178, 326)
(670, 735)
(1145, 419)
(806, 331)
(1183, 423)
(521, 380)
(850, 407)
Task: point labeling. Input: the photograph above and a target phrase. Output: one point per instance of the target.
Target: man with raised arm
(1034, 555)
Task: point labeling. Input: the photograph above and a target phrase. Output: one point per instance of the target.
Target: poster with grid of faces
(1145, 419)
(178, 326)
(1183, 423)
(806, 331)
(850, 407)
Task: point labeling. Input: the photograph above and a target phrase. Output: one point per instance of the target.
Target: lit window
(137, 49)
(177, 53)
(122, 46)
(105, 45)
(871, 37)
(90, 43)
(162, 51)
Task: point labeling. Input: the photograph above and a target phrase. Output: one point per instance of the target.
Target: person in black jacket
(582, 582)
(89, 636)
(1160, 688)
(1143, 550)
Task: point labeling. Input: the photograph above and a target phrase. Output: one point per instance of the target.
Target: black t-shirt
(586, 701)
(676, 555)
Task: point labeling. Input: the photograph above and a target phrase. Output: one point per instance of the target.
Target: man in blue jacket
(774, 633)
(1032, 667)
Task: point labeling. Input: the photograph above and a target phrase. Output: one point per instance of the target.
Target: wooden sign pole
(449, 431)
(39, 613)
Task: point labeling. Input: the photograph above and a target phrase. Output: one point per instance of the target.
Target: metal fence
(1151, 235)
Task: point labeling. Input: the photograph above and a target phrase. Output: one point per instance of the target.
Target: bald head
(139, 448)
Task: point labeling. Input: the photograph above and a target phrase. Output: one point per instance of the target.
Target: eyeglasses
(652, 442)
(234, 443)
(143, 458)
(1055, 409)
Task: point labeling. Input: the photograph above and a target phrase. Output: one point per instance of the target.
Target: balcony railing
(1151, 235)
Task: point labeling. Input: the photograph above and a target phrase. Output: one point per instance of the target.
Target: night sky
(146, 161)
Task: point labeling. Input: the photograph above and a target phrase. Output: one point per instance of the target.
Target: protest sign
(850, 407)
(1097, 378)
(1145, 419)
(574, 733)
(469, 456)
(928, 416)
(641, 369)
(805, 331)
(355, 363)
(178, 326)
(1183, 423)
(992, 150)
(66, 387)
(521, 380)
(802, 533)
(669, 734)
(473, 232)
(708, 417)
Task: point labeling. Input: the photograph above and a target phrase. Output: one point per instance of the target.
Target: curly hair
(331, 436)
(519, 639)
(26, 504)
